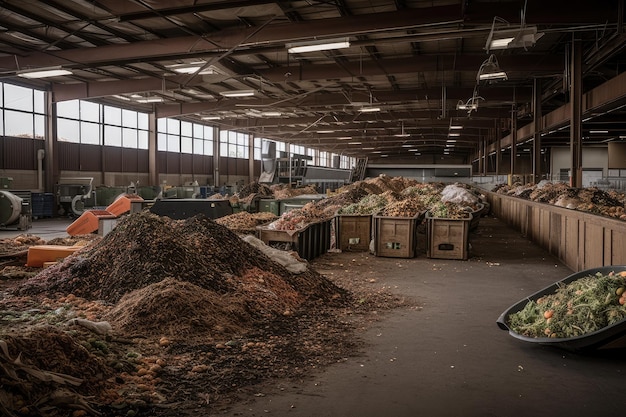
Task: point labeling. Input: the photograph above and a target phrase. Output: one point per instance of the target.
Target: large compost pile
(158, 308)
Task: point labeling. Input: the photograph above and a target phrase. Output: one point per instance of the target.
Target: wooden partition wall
(580, 240)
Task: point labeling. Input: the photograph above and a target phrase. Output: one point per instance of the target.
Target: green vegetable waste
(575, 309)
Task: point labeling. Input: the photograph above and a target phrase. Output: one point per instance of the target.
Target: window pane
(1, 121)
(162, 125)
(142, 139)
(186, 129)
(198, 130)
(143, 121)
(223, 149)
(89, 111)
(68, 109)
(19, 124)
(40, 101)
(208, 147)
(129, 138)
(129, 118)
(90, 133)
(173, 143)
(186, 144)
(67, 130)
(162, 142)
(112, 116)
(198, 147)
(18, 98)
(257, 154)
(173, 126)
(112, 135)
(208, 132)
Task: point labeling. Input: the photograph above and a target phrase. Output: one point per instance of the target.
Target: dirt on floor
(172, 318)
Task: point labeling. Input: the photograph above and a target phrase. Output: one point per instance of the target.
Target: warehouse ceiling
(417, 61)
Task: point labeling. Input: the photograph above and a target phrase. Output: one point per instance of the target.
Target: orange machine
(39, 255)
(88, 222)
(122, 204)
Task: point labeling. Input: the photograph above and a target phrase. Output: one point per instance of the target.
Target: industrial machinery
(72, 194)
(14, 211)
(296, 170)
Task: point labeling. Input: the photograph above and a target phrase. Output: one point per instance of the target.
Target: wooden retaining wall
(580, 240)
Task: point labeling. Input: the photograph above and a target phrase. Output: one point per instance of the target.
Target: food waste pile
(610, 203)
(163, 317)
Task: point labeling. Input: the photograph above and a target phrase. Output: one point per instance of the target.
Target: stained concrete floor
(447, 358)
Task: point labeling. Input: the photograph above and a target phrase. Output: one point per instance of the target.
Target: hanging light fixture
(402, 134)
(508, 37)
(490, 70)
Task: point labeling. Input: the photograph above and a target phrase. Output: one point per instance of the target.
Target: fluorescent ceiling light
(499, 75)
(354, 143)
(121, 97)
(211, 117)
(43, 72)
(490, 70)
(370, 109)
(402, 135)
(384, 156)
(407, 146)
(317, 45)
(454, 135)
(325, 131)
(510, 38)
(599, 131)
(368, 149)
(344, 137)
(153, 99)
(467, 106)
(501, 43)
(456, 127)
(193, 67)
(237, 93)
(271, 114)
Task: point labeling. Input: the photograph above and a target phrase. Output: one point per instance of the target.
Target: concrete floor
(448, 358)
(46, 228)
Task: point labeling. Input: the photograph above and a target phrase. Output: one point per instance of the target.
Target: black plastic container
(604, 337)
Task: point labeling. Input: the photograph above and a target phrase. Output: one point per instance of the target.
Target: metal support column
(250, 158)
(576, 114)
(153, 166)
(480, 152)
(536, 162)
(51, 157)
(513, 139)
(498, 146)
(486, 152)
(216, 157)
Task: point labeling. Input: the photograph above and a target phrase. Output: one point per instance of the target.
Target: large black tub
(608, 337)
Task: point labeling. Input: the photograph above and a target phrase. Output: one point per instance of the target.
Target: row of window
(22, 114)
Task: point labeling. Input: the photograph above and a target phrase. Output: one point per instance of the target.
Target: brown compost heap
(175, 298)
(145, 248)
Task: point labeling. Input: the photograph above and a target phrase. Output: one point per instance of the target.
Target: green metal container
(269, 205)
